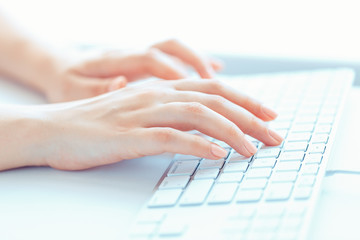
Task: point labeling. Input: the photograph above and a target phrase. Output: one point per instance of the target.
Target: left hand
(111, 71)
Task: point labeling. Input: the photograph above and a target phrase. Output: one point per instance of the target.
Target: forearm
(24, 134)
(23, 60)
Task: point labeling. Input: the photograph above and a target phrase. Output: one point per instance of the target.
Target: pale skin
(102, 120)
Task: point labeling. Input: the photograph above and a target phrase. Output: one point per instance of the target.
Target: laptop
(271, 195)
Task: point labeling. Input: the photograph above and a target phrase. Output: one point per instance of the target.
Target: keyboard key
(292, 223)
(295, 146)
(222, 193)
(182, 157)
(288, 176)
(183, 168)
(174, 182)
(243, 212)
(222, 144)
(210, 173)
(302, 128)
(236, 167)
(236, 157)
(306, 180)
(292, 156)
(268, 152)
(230, 177)
(317, 148)
(145, 230)
(282, 133)
(264, 162)
(280, 125)
(296, 210)
(208, 163)
(257, 183)
(266, 226)
(302, 137)
(150, 216)
(310, 169)
(248, 196)
(302, 193)
(285, 117)
(313, 158)
(279, 191)
(323, 128)
(196, 192)
(288, 166)
(271, 211)
(259, 173)
(328, 111)
(319, 138)
(165, 198)
(326, 119)
(172, 227)
(305, 119)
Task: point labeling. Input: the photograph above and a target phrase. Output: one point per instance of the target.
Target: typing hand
(150, 118)
(112, 70)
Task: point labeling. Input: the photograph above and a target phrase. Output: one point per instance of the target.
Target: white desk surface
(100, 203)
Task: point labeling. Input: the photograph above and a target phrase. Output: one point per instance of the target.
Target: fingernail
(250, 147)
(218, 151)
(269, 112)
(275, 136)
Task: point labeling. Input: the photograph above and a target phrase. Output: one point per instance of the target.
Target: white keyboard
(268, 196)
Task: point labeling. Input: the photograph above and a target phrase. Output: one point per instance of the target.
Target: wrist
(25, 137)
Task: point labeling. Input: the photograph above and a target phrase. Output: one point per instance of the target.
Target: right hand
(150, 118)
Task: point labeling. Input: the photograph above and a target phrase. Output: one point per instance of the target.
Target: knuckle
(217, 101)
(254, 125)
(172, 42)
(194, 108)
(151, 54)
(163, 135)
(148, 94)
(233, 132)
(215, 85)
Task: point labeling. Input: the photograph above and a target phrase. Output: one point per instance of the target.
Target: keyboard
(270, 195)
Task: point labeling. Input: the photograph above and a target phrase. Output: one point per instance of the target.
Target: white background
(303, 29)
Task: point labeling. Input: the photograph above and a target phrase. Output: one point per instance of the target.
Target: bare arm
(59, 79)
(22, 59)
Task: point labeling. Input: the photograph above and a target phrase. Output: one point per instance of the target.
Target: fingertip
(117, 83)
(217, 151)
(250, 148)
(269, 113)
(217, 64)
(207, 73)
(276, 137)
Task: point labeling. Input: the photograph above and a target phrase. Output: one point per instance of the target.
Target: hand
(149, 119)
(112, 70)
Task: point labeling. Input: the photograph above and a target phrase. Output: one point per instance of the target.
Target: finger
(177, 49)
(117, 83)
(219, 88)
(216, 64)
(236, 114)
(97, 86)
(194, 116)
(161, 65)
(153, 141)
(133, 66)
